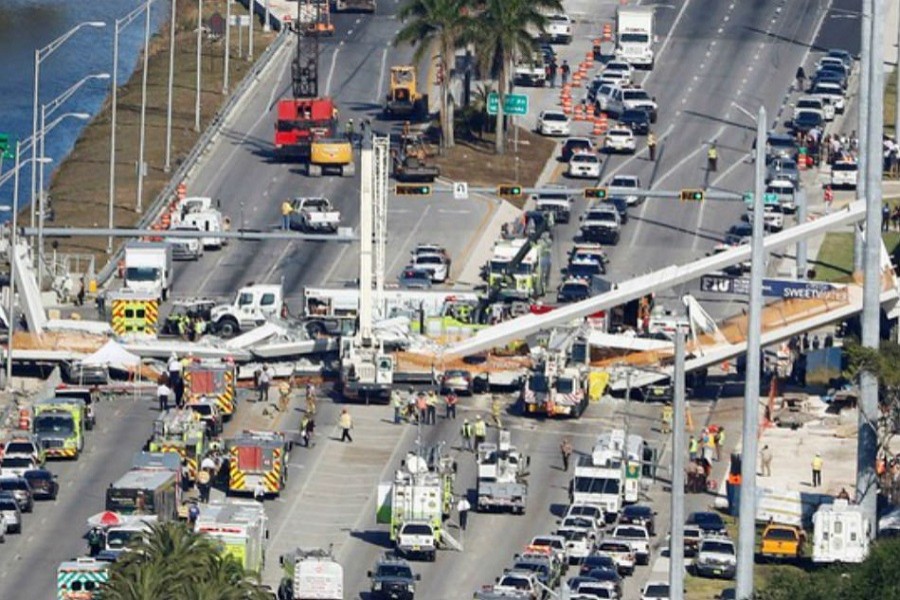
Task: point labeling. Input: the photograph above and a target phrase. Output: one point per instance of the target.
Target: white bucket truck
(635, 30)
(611, 449)
(252, 306)
(148, 268)
(840, 534)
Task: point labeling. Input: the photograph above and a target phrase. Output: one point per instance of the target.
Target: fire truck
(255, 456)
(211, 380)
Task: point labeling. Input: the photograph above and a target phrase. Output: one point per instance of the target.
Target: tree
(502, 32)
(441, 22)
(171, 562)
(885, 364)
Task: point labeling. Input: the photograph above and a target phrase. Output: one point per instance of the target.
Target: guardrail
(181, 174)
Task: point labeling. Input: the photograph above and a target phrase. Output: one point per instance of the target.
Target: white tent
(112, 354)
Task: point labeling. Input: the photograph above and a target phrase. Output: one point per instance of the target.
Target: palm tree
(171, 562)
(441, 22)
(504, 31)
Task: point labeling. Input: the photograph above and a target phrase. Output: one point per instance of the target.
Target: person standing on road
(719, 442)
(203, 482)
(828, 198)
(480, 430)
(259, 492)
(95, 541)
(431, 403)
(496, 411)
(885, 217)
(452, 399)
(174, 368)
(263, 381)
(349, 130)
(101, 305)
(651, 146)
(564, 71)
(553, 68)
(666, 419)
(286, 210)
(565, 450)
(765, 459)
(397, 404)
(309, 430)
(693, 447)
(467, 433)
(193, 514)
(463, 507)
(422, 408)
(345, 422)
(817, 463)
(712, 157)
(163, 392)
(800, 77)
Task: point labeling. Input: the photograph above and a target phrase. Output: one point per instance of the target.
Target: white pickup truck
(315, 215)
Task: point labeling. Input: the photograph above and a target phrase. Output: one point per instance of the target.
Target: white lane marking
(331, 71)
(665, 44)
(381, 75)
(408, 239)
(334, 265)
(634, 157)
(686, 158)
(277, 261)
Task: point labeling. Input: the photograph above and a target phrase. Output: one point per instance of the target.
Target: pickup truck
(637, 537)
(530, 71)
(417, 539)
(601, 224)
(314, 215)
(558, 29)
(559, 203)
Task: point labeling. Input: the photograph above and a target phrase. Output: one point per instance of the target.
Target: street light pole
(139, 204)
(199, 60)
(227, 45)
(749, 442)
(168, 165)
(867, 439)
(676, 540)
(865, 76)
(250, 43)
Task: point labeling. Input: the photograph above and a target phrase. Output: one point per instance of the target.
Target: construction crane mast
(305, 67)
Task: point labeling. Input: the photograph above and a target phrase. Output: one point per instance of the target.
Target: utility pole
(802, 215)
(199, 61)
(227, 45)
(676, 541)
(139, 203)
(167, 167)
(749, 442)
(862, 127)
(867, 440)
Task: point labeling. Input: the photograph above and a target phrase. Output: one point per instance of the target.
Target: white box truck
(240, 529)
(148, 268)
(635, 30)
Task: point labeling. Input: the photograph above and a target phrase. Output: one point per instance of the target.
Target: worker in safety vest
(496, 409)
(397, 404)
(817, 463)
(712, 157)
(480, 430)
(467, 432)
(651, 146)
(693, 448)
(286, 210)
(667, 419)
(431, 402)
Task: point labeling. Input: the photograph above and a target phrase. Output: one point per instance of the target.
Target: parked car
(844, 174)
(636, 119)
(639, 514)
(781, 146)
(576, 144)
(805, 120)
(620, 139)
(413, 278)
(655, 590)
(573, 290)
(11, 511)
(553, 122)
(708, 522)
(584, 165)
(783, 168)
(458, 381)
(16, 465)
(434, 264)
(43, 484)
(622, 183)
(621, 204)
(20, 489)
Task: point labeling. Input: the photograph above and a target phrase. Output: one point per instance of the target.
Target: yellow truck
(404, 99)
(59, 425)
(782, 542)
(183, 432)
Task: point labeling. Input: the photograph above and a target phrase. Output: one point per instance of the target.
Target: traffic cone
(182, 191)
(579, 112)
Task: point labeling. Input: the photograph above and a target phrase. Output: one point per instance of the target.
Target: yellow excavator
(331, 156)
(404, 99)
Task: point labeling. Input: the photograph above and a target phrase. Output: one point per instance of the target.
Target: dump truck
(59, 426)
(502, 471)
(403, 99)
(257, 456)
(211, 379)
(331, 155)
(239, 528)
(151, 487)
(312, 574)
(182, 432)
(81, 579)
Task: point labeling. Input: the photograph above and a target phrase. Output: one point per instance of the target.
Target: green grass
(835, 259)
(890, 95)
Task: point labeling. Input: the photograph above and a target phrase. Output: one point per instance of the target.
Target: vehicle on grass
(627, 186)
(314, 215)
(716, 557)
(636, 119)
(458, 381)
(708, 522)
(844, 175)
(393, 579)
(584, 165)
(43, 484)
(655, 590)
(780, 541)
(639, 514)
(19, 487)
(575, 145)
(638, 538)
(620, 139)
(621, 552)
(12, 513)
(553, 122)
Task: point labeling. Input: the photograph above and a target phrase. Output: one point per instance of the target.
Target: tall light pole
(896, 85)
(119, 25)
(865, 75)
(676, 540)
(40, 55)
(227, 45)
(42, 207)
(867, 437)
(13, 244)
(749, 442)
(139, 203)
(168, 165)
(199, 60)
(250, 44)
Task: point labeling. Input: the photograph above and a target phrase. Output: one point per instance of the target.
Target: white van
(206, 220)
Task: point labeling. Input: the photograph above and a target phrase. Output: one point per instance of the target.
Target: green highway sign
(513, 104)
(767, 198)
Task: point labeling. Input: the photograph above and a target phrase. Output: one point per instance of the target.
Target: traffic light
(413, 190)
(5, 147)
(509, 191)
(595, 193)
(693, 195)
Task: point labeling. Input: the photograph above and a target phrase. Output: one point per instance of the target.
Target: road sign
(513, 104)
(460, 190)
(724, 284)
(767, 198)
(240, 20)
(774, 288)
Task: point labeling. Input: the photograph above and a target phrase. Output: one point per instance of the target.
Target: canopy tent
(112, 354)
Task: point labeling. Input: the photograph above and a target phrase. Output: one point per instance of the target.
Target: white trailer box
(840, 534)
(635, 30)
(148, 268)
(240, 527)
(318, 578)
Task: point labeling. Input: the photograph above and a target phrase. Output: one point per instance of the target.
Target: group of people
(187, 327)
(421, 407)
(703, 451)
(552, 70)
(170, 385)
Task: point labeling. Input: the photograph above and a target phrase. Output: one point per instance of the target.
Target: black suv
(393, 579)
(636, 119)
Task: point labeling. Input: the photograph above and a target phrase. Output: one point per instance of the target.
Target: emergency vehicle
(182, 432)
(133, 311)
(555, 390)
(257, 456)
(239, 528)
(526, 280)
(81, 579)
(59, 425)
(211, 379)
(151, 487)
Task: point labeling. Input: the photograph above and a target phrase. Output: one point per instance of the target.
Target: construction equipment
(59, 425)
(502, 470)
(133, 311)
(403, 99)
(211, 380)
(312, 574)
(257, 456)
(314, 17)
(81, 579)
(151, 487)
(554, 389)
(180, 431)
(240, 529)
(409, 160)
(368, 6)
(331, 155)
